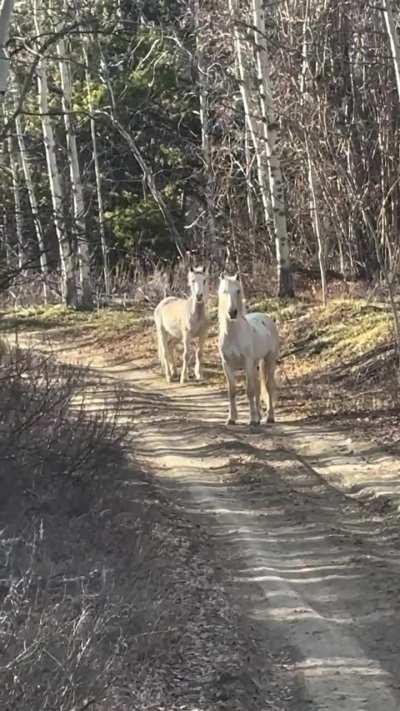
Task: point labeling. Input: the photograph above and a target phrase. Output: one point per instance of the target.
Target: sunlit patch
(343, 666)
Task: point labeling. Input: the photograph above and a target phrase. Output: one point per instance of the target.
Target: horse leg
(263, 381)
(270, 364)
(171, 358)
(251, 387)
(162, 350)
(230, 379)
(169, 368)
(198, 369)
(257, 394)
(186, 357)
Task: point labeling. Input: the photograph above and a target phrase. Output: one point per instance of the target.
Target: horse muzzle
(232, 313)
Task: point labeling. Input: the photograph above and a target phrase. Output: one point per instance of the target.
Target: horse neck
(196, 308)
(226, 325)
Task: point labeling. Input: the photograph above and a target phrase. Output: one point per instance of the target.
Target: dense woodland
(242, 132)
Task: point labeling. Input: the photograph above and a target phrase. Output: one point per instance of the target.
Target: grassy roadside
(338, 362)
(314, 339)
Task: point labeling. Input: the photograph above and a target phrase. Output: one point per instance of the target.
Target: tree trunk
(253, 123)
(68, 280)
(6, 10)
(100, 204)
(316, 221)
(205, 136)
(385, 7)
(34, 205)
(271, 138)
(312, 184)
(5, 241)
(86, 297)
(389, 271)
(251, 212)
(14, 165)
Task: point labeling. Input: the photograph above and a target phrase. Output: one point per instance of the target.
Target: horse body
(248, 342)
(183, 320)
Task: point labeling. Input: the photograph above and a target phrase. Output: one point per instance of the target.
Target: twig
(85, 705)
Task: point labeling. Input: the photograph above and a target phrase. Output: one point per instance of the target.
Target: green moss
(319, 337)
(280, 309)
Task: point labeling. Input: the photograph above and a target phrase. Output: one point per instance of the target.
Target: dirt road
(315, 574)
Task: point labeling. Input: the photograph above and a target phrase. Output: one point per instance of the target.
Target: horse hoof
(230, 421)
(270, 419)
(254, 423)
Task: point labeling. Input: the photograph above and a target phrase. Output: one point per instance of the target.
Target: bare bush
(41, 442)
(53, 458)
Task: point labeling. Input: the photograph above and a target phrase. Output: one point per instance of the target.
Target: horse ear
(236, 277)
(222, 276)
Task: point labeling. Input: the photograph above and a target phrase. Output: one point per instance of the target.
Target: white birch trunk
(68, 281)
(249, 197)
(391, 30)
(33, 205)
(6, 10)
(271, 138)
(5, 239)
(14, 165)
(205, 138)
(385, 7)
(316, 222)
(86, 297)
(99, 190)
(252, 122)
(312, 183)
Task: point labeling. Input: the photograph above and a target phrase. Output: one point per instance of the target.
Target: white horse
(183, 320)
(250, 343)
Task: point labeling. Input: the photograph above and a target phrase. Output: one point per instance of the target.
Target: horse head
(230, 296)
(198, 283)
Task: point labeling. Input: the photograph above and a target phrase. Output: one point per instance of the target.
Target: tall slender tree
(271, 135)
(98, 178)
(67, 261)
(6, 9)
(79, 226)
(44, 267)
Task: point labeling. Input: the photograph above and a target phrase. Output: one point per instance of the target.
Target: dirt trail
(312, 570)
